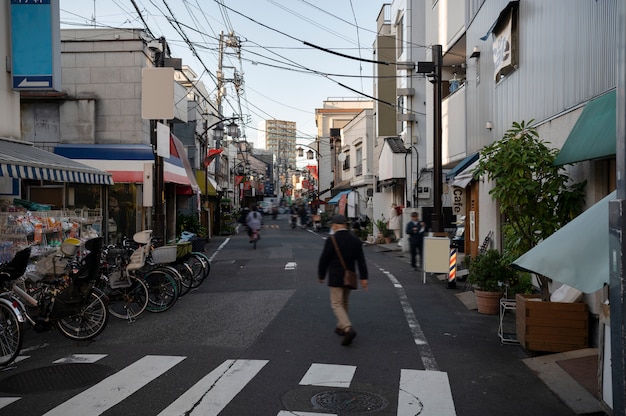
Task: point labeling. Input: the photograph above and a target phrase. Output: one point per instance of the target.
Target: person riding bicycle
(254, 220)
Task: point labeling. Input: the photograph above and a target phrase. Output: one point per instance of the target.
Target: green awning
(594, 134)
(578, 253)
(462, 165)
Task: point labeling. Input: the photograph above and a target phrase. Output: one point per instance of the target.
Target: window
(400, 36)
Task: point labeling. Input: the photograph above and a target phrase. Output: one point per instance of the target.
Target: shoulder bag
(349, 277)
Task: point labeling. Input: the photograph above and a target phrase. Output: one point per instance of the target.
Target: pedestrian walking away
(350, 249)
(416, 229)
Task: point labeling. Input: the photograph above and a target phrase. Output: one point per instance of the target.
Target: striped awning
(24, 161)
(126, 161)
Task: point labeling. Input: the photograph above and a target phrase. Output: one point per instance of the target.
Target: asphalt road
(257, 339)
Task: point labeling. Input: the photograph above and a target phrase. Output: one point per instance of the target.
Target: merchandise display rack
(45, 230)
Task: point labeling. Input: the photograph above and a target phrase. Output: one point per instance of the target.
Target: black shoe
(348, 336)
(339, 331)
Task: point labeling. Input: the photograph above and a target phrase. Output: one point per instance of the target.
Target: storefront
(130, 201)
(45, 197)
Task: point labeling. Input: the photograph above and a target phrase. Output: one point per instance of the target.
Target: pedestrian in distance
(351, 250)
(415, 230)
(395, 220)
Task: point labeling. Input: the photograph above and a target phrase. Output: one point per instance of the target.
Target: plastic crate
(198, 243)
(165, 254)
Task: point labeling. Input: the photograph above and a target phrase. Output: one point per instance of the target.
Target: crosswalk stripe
(425, 393)
(328, 375)
(80, 358)
(209, 396)
(112, 390)
(5, 401)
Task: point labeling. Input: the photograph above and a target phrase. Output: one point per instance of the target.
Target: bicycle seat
(16, 267)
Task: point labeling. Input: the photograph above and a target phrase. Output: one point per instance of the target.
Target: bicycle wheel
(162, 289)
(91, 319)
(186, 276)
(200, 266)
(128, 302)
(10, 335)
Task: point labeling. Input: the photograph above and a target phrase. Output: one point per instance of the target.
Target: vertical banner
(163, 140)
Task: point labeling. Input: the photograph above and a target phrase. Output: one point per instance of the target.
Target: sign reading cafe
(505, 42)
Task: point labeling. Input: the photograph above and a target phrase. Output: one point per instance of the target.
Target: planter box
(551, 326)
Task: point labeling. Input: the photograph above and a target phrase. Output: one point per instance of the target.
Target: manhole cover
(54, 377)
(349, 401)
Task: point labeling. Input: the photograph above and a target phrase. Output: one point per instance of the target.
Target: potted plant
(488, 273)
(536, 198)
(383, 229)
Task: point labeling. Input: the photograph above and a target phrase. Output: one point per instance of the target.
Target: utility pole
(159, 215)
(432, 70)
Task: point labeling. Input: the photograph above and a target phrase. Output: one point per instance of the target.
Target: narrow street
(257, 339)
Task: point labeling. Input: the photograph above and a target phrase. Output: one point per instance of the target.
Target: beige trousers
(339, 301)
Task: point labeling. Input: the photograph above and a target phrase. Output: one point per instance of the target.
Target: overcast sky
(284, 78)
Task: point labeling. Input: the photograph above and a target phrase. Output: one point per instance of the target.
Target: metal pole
(436, 217)
(617, 244)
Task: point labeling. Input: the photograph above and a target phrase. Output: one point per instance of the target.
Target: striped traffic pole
(452, 272)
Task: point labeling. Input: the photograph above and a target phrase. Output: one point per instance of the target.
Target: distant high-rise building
(280, 139)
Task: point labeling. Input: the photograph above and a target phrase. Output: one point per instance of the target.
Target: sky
(284, 78)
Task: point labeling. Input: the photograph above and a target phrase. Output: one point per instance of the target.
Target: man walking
(350, 248)
(415, 229)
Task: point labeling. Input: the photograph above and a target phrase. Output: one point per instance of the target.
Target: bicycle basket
(52, 264)
(165, 254)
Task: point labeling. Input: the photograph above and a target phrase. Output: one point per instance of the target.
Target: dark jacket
(415, 232)
(351, 248)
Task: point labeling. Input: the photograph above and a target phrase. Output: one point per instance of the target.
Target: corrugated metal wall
(566, 56)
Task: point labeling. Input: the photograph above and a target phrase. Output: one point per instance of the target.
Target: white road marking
(112, 390)
(328, 375)
(425, 393)
(219, 248)
(80, 358)
(426, 354)
(5, 401)
(290, 413)
(211, 395)
(291, 265)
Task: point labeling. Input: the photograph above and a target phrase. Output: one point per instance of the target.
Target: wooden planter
(551, 326)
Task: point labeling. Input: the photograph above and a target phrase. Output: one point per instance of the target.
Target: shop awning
(177, 169)
(594, 134)
(208, 187)
(335, 199)
(125, 162)
(462, 179)
(25, 161)
(578, 253)
(462, 166)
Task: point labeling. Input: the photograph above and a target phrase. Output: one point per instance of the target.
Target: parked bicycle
(127, 294)
(68, 301)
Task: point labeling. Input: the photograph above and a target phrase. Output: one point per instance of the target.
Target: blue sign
(35, 44)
